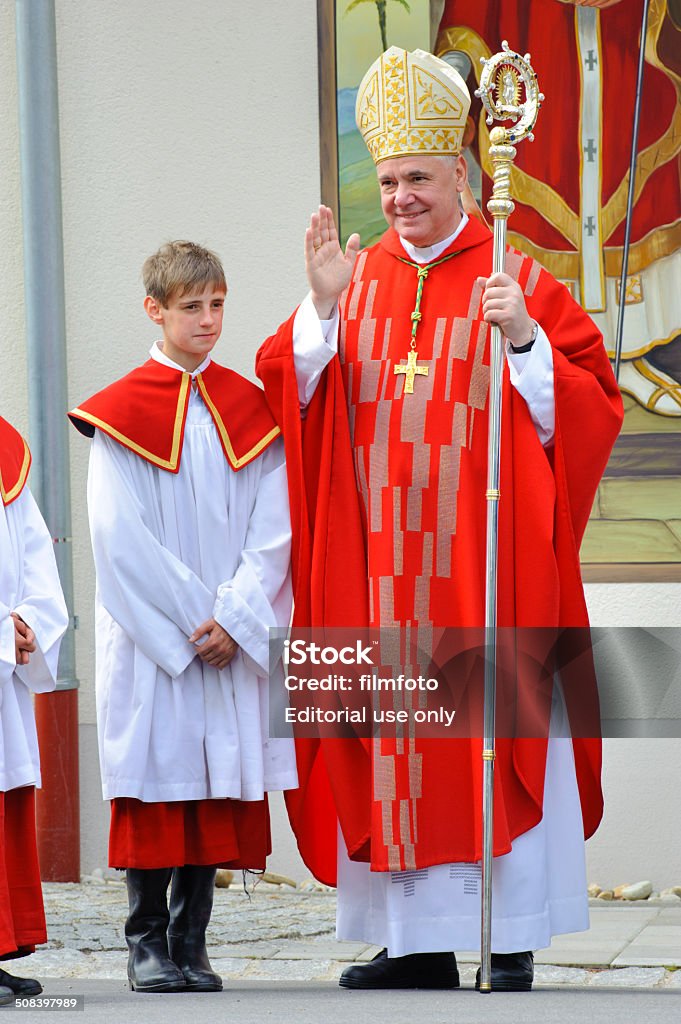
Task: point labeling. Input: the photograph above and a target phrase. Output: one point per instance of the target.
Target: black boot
(418, 970)
(150, 969)
(511, 972)
(20, 986)
(191, 904)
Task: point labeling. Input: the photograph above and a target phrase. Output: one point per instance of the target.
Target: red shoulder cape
(146, 410)
(15, 462)
(550, 500)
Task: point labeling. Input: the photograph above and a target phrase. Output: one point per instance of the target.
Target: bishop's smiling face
(420, 196)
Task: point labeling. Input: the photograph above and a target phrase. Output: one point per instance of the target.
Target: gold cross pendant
(410, 371)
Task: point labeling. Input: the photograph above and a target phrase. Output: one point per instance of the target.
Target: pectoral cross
(410, 371)
(412, 368)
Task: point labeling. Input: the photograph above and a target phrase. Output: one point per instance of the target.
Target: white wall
(177, 120)
(640, 836)
(199, 121)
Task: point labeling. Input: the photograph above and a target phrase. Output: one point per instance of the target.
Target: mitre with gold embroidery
(411, 103)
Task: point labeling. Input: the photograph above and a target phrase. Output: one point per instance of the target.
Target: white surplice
(29, 586)
(171, 551)
(540, 887)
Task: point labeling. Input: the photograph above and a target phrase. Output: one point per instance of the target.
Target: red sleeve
(589, 416)
(589, 410)
(330, 588)
(329, 559)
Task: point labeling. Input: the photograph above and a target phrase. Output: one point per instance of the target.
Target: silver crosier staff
(503, 79)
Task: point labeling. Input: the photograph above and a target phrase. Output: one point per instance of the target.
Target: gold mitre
(410, 104)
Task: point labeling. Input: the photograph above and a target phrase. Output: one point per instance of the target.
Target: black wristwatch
(526, 348)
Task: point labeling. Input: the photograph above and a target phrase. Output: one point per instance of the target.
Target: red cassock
(546, 180)
(388, 510)
(22, 916)
(227, 833)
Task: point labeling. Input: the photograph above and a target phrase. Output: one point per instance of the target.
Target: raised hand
(328, 268)
(24, 640)
(503, 303)
(218, 649)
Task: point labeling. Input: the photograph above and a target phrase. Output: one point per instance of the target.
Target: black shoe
(6, 996)
(20, 986)
(418, 970)
(511, 972)
(150, 969)
(191, 904)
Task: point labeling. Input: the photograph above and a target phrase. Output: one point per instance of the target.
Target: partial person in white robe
(33, 619)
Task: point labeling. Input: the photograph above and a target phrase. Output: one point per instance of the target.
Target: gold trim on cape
(14, 492)
(235, 462)
(173, 462)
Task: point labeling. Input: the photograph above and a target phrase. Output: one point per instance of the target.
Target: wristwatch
(530, 343)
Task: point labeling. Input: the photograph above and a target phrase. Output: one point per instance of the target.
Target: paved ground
(284, 935)
(287, 1002)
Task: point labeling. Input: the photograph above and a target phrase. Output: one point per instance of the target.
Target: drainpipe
(58, 804)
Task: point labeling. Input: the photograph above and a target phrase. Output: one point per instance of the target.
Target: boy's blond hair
(180, 267)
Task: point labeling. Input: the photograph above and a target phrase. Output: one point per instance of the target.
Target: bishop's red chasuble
(388, 509)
